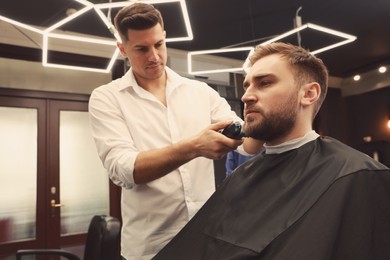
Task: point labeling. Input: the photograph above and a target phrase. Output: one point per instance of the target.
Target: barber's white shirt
(126, 119)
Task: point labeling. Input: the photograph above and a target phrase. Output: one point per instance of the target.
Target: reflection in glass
(84, 183)
(18, 173)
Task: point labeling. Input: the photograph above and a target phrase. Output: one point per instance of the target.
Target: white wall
(32, 75)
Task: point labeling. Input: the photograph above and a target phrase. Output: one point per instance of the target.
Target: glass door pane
(18, 173)
(84, 183)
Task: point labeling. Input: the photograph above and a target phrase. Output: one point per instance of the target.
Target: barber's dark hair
(306, 66)
(137, 16)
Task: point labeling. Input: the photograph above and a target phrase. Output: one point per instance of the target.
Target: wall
(368, 115)
(23, 74)
(350, 119)
(32, 75)
(330, 120)
(349, 112)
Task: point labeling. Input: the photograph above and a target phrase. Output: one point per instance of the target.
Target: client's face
(271, 100)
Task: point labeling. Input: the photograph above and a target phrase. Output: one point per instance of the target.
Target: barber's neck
(151, 84)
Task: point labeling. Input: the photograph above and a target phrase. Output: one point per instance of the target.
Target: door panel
(78, 183)
(83, 181)
(18, 138)
(22, 173)
(51, 179)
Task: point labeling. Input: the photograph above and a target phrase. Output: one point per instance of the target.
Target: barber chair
(102, 242)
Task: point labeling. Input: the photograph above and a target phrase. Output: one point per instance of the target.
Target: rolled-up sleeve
(113, 140)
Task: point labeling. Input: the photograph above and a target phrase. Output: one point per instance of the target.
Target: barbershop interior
(55, 193)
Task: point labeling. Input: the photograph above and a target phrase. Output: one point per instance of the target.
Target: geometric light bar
(69, 18)
(183, 6)
(45, 48)
(110, 27)
(48, 32)
(46, 35)
(108, 24)
(194, 53)
(347, 38)
(19, 24)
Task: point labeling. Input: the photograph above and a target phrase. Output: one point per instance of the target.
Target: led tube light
(48, 32)
(19, 24)
(183, 6)
(194, 53)
(347, 39)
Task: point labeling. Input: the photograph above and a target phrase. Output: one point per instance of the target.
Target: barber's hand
(213, 145)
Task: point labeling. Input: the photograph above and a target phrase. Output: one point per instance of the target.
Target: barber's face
(271, 100)
(146, 51)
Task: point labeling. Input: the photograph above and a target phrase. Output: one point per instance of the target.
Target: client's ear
(311, 93)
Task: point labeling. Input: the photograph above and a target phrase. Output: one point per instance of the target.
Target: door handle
(53, 204)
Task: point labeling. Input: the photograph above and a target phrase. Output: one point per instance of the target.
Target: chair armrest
(59, 252)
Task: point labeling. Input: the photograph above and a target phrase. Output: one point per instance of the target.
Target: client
(306, 197)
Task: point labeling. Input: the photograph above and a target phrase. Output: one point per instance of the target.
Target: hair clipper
(234, 130)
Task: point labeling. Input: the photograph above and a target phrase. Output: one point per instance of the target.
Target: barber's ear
(121, 49)
(311, 93)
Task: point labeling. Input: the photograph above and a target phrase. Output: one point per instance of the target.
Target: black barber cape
(321, 201)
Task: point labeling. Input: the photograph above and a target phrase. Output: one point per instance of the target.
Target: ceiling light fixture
(45, 50)
(48, 32)
(109, 25)
(183, 6)
(194, 53)
(356, 77)
(19, 24)
(382, 69)
(298, 28)
(46, 35)
(347, 38)
(69, 18)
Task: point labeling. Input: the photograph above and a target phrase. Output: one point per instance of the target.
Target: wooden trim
(11, 92)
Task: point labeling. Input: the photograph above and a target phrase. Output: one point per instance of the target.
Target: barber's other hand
(213, 145)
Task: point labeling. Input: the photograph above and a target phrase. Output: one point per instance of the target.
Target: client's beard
(273, 125)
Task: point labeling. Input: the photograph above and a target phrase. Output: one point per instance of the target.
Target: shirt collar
(292, 144)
